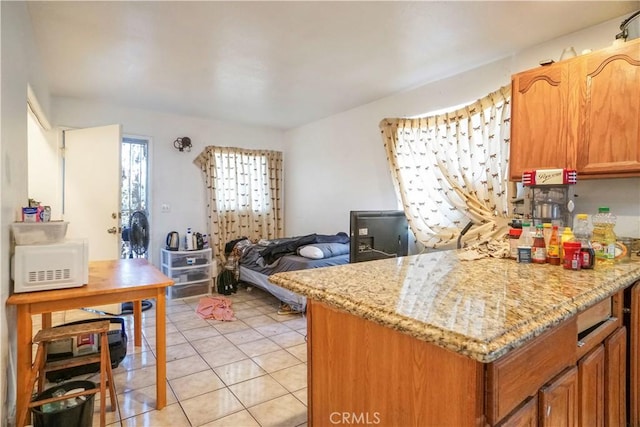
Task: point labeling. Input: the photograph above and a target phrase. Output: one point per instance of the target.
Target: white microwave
(50, 266)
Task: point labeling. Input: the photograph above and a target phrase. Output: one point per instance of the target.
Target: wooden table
(110, 282)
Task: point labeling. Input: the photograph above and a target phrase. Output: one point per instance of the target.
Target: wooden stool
(40, 366)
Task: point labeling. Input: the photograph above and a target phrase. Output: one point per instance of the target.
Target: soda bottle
(583, 235)
(553, 250)
(604, 238)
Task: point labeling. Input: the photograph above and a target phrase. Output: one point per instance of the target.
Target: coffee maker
(548, 196)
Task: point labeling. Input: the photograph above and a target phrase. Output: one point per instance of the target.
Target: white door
(91, 198)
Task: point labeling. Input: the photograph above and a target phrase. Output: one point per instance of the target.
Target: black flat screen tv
(378, 235)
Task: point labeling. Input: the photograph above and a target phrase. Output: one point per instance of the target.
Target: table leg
(161, 356)
(46, 320)
(23, 362)
(137, 323)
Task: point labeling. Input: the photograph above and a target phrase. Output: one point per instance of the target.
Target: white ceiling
(283, 64)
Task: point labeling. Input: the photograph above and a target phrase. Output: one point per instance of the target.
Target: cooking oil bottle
(604, 238)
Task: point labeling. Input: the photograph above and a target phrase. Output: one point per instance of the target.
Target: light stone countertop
(481, 308)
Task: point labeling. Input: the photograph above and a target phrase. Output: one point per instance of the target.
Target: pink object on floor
(218, 308)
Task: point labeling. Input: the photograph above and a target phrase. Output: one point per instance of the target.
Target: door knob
(112, 230)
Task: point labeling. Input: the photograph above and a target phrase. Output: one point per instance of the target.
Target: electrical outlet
(165, 208)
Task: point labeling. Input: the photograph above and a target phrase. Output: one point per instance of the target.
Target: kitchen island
(434, 340)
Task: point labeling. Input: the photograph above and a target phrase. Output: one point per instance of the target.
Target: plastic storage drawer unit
(177, 259)
(190, 270)
(190, 290)
(188, 275)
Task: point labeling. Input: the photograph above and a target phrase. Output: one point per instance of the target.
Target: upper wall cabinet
(539, 119)
(609, 111)
(582, 113)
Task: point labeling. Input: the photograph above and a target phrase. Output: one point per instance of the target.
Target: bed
(257, 261)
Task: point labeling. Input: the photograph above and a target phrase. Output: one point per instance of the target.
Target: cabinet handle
(548, 410)
(580, 343)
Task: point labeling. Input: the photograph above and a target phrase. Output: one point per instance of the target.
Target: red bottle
(539, 249)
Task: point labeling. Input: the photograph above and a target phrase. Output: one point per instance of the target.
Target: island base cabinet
(559, 401)
(362, 373)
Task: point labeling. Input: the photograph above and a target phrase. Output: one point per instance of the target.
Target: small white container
(39, 233)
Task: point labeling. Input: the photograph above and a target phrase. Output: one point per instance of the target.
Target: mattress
(296, 262)
(257, 262)
(259, 276)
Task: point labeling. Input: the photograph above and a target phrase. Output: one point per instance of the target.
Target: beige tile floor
(249, 372)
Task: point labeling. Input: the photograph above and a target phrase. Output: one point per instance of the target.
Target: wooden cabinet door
(525, 416)
(540, 125)
(634, 360)
(308, 339)
(609, 111)
(591, 388)
(615, 378)
(559, 401)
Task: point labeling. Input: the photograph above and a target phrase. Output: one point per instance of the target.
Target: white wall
(44, 169)
(175, 180)
(19, 66)
(338, 164)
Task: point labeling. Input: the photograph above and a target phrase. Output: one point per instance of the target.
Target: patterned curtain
(243, 194)
(451, 169)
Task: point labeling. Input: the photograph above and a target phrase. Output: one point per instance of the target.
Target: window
(244, 193)
(242, 182)
(451, 169)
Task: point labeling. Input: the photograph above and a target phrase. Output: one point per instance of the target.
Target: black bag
(226, 282)
(228, 247)
(63, 350)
